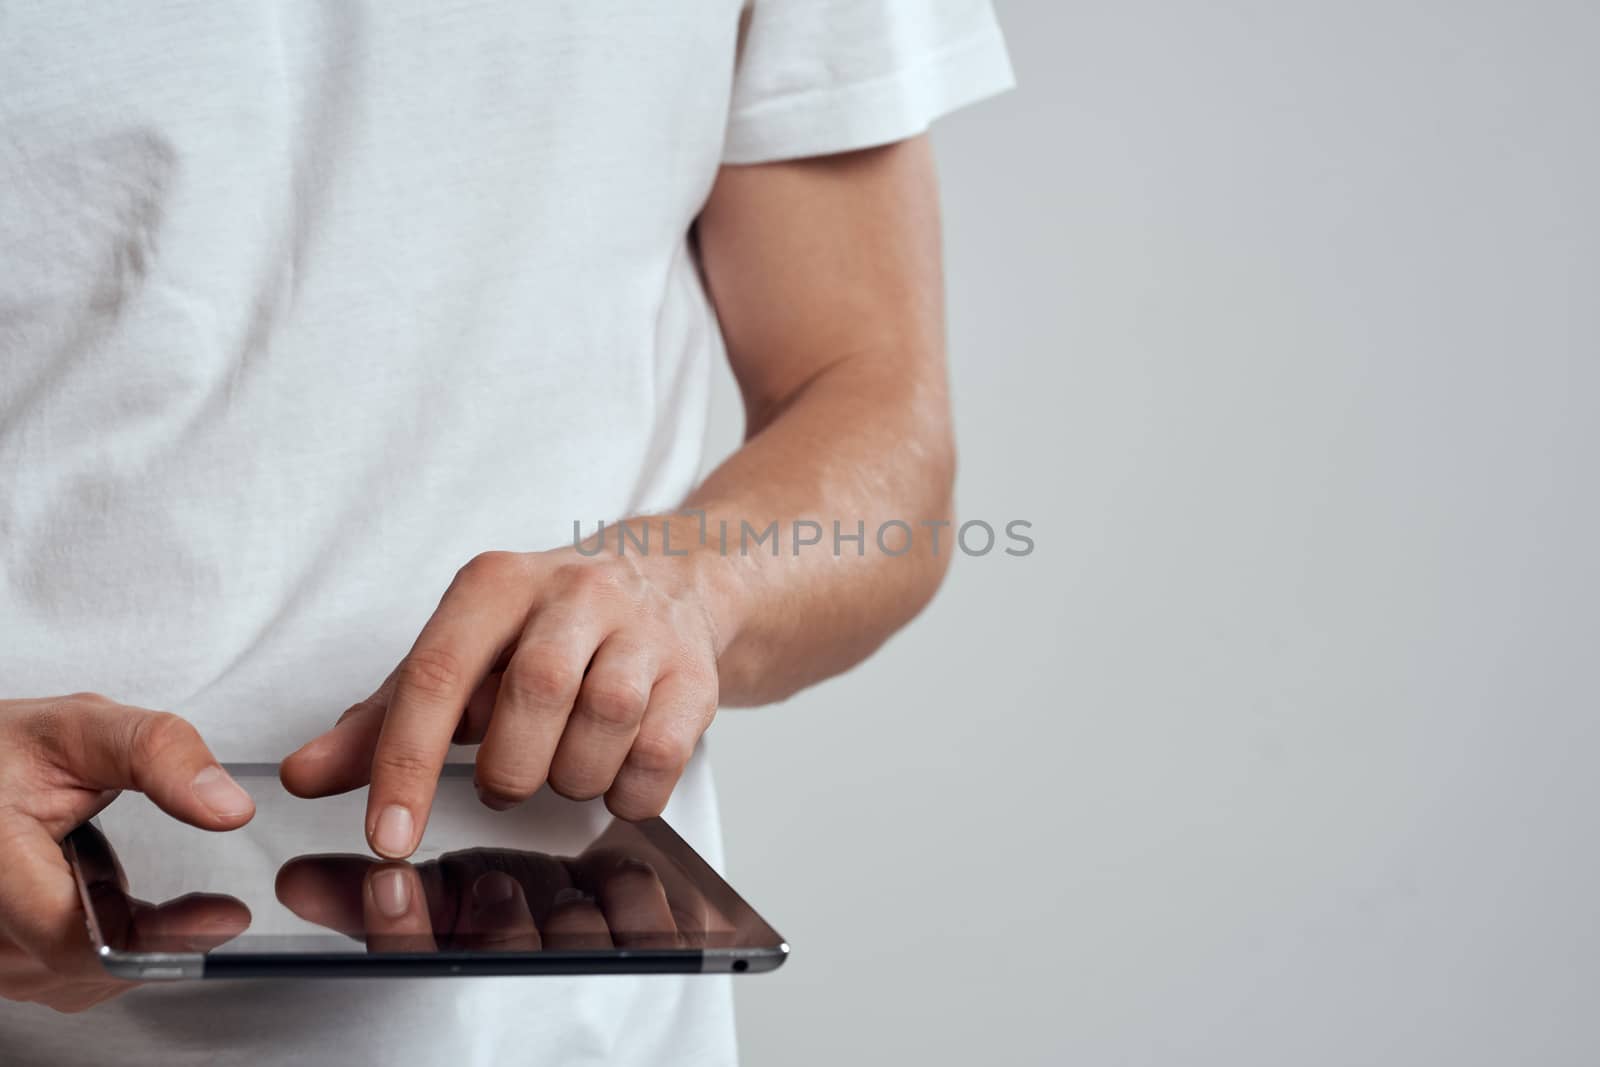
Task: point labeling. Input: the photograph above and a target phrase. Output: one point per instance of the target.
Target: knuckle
(634, 804)
(399, 762)
(614, 704)
(582, 773)
(539, 679)
(657, 755)
(490, 566)
(509, 783)
(160, 735)
(577, 784)
(433, 672)
(90, 698)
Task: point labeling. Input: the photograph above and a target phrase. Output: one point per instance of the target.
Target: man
(310, 313)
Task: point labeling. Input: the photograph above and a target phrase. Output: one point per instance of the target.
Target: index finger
(478, 617)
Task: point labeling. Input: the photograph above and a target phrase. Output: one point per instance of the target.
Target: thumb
(113, 746)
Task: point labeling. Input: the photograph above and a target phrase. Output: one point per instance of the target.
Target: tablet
(549, 887)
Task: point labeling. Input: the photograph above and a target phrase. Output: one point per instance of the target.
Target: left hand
(74, 979)
(595, 673)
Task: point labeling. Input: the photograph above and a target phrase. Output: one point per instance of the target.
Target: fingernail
(391, 893)
(494, 887)
(220, 793)
(392, 835)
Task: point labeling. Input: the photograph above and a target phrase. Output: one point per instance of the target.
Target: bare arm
(597, 671)
(826, 276)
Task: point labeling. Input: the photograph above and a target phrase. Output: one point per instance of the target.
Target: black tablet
(550, 887)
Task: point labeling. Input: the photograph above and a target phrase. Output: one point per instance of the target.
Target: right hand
(62, 759)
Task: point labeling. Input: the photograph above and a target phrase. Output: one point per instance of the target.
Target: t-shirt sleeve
(815, 77)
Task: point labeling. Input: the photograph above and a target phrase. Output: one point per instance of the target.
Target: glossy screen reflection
(549, 876)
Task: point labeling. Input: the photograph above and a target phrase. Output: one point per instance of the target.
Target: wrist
(682, 554)
(714, 576)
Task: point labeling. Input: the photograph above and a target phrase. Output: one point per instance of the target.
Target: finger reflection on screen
(498, 917)
(194, 922)
(395, 910)
(494, 900)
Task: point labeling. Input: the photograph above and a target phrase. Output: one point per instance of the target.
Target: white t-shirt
(303, 305)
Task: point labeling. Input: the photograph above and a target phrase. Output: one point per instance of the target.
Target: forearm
(859, 446)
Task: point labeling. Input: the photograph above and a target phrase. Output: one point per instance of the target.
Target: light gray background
(1279, 321)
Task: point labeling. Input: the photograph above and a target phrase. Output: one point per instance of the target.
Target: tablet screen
(549, 876)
